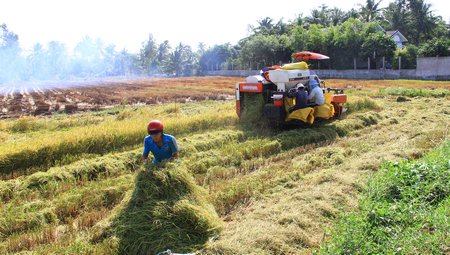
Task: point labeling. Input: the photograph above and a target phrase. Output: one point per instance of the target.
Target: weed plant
(404, 210)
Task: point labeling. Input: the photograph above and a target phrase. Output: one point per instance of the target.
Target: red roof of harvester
(307, 55)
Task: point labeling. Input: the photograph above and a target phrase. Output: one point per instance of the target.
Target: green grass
(404, 210)
(416, 92)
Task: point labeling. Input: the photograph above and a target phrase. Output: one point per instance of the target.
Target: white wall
(436, 68)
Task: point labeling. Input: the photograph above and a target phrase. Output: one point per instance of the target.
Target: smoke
(89, 59)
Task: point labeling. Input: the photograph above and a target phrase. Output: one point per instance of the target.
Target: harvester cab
(272, 85)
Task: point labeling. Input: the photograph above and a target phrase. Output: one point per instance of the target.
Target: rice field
(74, 183)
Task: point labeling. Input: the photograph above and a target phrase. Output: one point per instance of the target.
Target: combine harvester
(273, 85)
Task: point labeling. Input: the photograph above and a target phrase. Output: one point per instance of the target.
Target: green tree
(346, 43)
(264, 27)
(163, 55)
(264, 50)
(352, 14)
(56, 57)
(181, 61)
(89, 55)
(435, 47)
(215, 57)
(408, 57)
(376, 46)
(316, 39)
(148, 55)
(37, 63)
(129, 64)
(337, 16)
(298, 38)
(112, 63)
(328, 17)
(12, 65)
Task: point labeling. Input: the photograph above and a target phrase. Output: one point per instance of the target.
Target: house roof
(396, 32)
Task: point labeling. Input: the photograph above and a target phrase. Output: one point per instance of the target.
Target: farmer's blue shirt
(301, 99)
(169, 147)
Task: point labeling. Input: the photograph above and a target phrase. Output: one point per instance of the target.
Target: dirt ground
(47, 98)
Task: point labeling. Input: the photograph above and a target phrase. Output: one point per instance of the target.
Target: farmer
(162, 146)
(315, 97)
(301, 98)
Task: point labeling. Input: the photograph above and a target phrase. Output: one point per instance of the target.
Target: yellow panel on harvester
(306, 115)
(324, 111)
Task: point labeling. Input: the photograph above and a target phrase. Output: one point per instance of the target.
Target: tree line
(348, 37)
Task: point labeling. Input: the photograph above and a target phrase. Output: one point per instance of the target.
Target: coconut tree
(370, 11)
(423, 22)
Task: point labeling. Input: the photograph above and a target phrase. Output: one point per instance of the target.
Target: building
(398, 38)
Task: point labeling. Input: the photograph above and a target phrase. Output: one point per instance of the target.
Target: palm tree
(397, 15)
(422, 20)
(370, 11)
(337, 16)
(265, 25)
(319, 16)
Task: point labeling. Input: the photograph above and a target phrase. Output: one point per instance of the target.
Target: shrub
(405, 209)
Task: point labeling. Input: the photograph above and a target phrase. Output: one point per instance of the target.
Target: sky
(128, 23)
